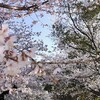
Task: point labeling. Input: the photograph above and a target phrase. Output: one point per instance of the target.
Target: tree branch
(92, 38)
(77, 48)
(76, 26)
(23, 8)
(94, 91)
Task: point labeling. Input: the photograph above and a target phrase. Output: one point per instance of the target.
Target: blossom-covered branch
(23, 8)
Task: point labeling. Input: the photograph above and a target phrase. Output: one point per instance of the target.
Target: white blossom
(56, 71)
(1, 53)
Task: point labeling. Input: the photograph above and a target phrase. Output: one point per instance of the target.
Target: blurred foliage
(97, 98)
(90, 12)
(72, 90)
(49, 87)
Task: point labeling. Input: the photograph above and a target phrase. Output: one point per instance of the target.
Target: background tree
(76, 29)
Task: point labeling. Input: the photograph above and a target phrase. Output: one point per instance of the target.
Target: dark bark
(3, 94)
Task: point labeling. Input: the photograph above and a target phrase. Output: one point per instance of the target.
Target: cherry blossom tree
(77, 33)
(17, 53)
